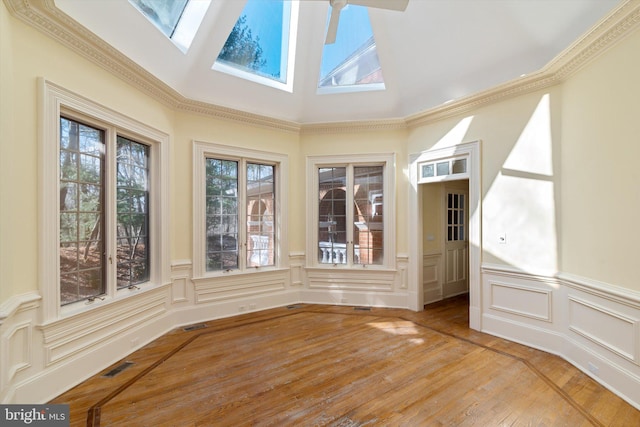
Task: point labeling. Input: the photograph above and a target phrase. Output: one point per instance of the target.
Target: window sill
(82, 307)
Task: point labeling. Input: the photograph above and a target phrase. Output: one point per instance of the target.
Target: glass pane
(427, 171)
(132, 213)
(353, 58)
(81, 211)
(222, 214)
(460, 166)
(260, 213)
(442, 168)
(164, 14)
(332, 224)
(368, 206)
(259, 41)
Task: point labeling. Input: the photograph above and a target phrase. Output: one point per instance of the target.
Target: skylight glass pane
(259, 41)
(353, 59)
(165, 14)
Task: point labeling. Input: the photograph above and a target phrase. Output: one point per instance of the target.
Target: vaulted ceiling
(434, 52)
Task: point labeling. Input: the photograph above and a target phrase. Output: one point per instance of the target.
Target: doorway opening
(445, 166)
(445, 240)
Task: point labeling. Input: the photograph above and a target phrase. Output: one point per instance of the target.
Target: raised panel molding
(16, 351)
(297, 262)
(521, 300)
(68, 337)
(614, 331)
(180, 279)
(402, 264)
(586, 322)
(355, 280)
(431, 277)
(233, 286)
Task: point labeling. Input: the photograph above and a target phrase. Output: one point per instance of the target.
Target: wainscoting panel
(296, 263)
(16, 350)
(520, 300)
(595, 326)
(69, 337)
(613, 331)
(234, 286)
(431, 278)
(371, 280)
(180, 281)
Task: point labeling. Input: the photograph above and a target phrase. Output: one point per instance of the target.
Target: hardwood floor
(312, 365)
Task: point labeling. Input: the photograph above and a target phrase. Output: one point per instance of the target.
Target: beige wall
(600, 173)
(8, 150)
(519, 173)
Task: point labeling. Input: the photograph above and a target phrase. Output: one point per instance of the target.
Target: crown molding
(46, 17)
(354, 126)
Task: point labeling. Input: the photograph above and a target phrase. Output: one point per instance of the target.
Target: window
(352, 221)
(237, 209)
(440, 170)
(351, 62)
(104, 202)
(85, 211)
(261, 45)
(179, 20)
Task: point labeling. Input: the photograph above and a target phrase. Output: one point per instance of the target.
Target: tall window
(236, 209)
(351, 217)
(104, 204)
(85, 211)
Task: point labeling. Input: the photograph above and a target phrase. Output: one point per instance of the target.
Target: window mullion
(111, 256)
(349, 214)
(242, 214)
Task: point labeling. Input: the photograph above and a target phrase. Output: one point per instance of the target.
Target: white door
(456, 243)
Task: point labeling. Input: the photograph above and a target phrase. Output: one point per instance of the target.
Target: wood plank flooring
(312, 365)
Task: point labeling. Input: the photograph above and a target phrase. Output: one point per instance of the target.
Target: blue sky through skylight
(264, 18)
(259, 42)
(353, 58)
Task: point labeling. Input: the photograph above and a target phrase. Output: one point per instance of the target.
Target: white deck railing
(336, 253)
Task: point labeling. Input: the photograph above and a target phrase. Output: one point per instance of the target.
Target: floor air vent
(115, 371)
(362, 308)
(194, 327)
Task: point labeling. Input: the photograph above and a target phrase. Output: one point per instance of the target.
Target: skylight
(351, 63)
(179, 20)
(261, 45)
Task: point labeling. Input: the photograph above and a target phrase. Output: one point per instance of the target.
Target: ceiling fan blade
(399, 5)
(332, 29)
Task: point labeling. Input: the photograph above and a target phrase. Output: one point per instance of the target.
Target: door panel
(456, 243)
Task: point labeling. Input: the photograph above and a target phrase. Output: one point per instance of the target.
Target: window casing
(104, 204)
(351, 209)
(238, 209)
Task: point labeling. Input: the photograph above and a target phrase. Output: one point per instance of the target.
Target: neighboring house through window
(349, 212)
(237, 209)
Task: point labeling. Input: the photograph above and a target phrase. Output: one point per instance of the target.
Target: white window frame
(54, 102)
(202, 151)
(388, 161)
